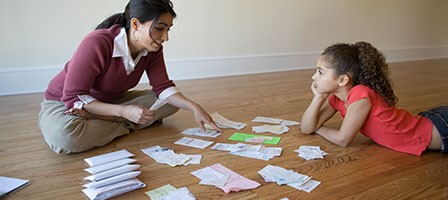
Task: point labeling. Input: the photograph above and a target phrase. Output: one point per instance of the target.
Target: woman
(88, 103)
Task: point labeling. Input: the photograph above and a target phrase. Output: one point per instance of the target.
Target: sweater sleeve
(87, 63)
(157, 75)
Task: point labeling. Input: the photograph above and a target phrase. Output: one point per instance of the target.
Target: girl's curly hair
(365, 65)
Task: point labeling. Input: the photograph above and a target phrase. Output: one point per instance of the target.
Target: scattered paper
(249, 151)
(168, 192)
(167, 156)
(244, 137)
(310, 152)
(281, 176)
(275, 121)
(9, 185)
(223, 122)
(276, 129)
(198, 132)
(181, 193)
(209, 176)
(160, 192)
(192, 142)
(234, 183)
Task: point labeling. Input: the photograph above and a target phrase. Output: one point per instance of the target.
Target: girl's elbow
(344, 142)
(306, 131)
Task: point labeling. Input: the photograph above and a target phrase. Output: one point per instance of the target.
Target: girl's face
(153, 39)
(325, 80)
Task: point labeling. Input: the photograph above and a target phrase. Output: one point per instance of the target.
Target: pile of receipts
(249, 151)
(281, 176)
(310, 152)
(112, 174)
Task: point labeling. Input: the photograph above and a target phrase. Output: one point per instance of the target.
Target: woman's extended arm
(200, 115)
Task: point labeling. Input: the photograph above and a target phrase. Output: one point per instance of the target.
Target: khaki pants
(66, 133)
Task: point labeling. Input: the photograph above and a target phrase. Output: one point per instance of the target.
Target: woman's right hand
(137, 114)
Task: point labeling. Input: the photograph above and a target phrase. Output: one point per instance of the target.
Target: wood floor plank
(364, 170)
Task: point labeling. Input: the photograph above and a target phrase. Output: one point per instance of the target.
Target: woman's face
(153, 39)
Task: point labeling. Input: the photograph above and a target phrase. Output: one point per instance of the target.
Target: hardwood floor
(363, 170)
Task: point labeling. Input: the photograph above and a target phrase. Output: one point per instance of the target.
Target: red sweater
(92, 70)
(389, 126)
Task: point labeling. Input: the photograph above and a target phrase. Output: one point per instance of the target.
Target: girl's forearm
(310, 118)
(333, 136)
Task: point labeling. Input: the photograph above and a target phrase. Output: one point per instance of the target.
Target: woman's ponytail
(119, 18)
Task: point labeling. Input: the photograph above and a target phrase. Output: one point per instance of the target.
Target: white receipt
(112, 180)
(113, 190)
(191, 142)
(223, 122)
(110, 165)
(113, 172)
(108, 157)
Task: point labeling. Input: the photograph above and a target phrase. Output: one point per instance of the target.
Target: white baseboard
(32, 79)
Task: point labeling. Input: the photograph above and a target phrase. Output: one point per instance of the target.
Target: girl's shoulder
(360, 92)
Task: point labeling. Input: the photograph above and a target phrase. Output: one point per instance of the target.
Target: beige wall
(221, 37)
(46, 32)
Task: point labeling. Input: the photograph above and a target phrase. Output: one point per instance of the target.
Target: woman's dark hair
(365, 65)
(143, 10)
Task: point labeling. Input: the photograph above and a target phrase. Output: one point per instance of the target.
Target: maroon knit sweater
(92, 70)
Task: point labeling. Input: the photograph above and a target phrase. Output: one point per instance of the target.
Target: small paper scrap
(310, 152)
(198, 132)
(168, 192)
(275, 121)
(276, 129)
(223, 122)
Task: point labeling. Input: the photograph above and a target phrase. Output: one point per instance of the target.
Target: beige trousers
(66, 133)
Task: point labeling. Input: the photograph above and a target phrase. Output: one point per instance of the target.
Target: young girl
(89, 103)
(353, 79)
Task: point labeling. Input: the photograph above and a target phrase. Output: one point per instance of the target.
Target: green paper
(244, 136)
(161, 191)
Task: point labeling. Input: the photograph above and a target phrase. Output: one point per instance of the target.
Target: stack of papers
(198, 132)
(276, 129)
(281, 176)
(224, 178)
(244, 137)
(167, 156)
(310, 152)
(112, 174)
(223, 122)
(249, 151)
(168, 192)
(275, 121)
